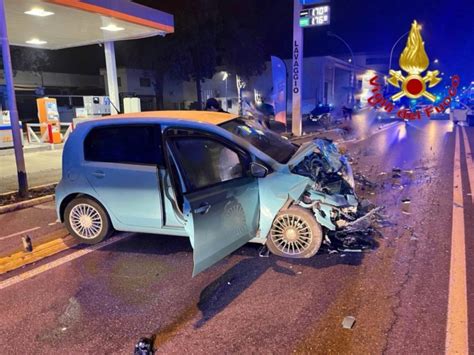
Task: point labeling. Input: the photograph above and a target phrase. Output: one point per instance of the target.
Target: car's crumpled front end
(330, 195)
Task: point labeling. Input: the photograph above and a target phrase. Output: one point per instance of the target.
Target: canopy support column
(112, 81)
(11, 102)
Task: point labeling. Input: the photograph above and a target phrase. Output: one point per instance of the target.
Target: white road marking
(58, 262)
(470, 163)
(457, 326)
(19, 233)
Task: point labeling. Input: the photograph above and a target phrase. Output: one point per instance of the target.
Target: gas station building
(59, 24)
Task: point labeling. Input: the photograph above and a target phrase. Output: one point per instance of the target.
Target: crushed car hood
(324, 146)
(331, 193)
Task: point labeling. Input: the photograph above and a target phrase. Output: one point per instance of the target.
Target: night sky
(368, 26)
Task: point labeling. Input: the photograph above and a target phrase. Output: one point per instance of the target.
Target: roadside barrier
(46, 132)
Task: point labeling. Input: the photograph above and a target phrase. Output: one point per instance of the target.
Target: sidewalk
(43, 167)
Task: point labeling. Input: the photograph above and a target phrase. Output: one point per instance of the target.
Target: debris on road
(144, 347)
(348, 322)
(27, 245)
(364, 181)
(264, 252)
(406, 202)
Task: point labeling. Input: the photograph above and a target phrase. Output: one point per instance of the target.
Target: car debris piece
(264, 252)
(363, 180)
(27, 245)
(144, 347)
(348, 322)
(331, 197)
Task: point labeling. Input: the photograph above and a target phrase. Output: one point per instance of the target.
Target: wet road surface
(104, 301)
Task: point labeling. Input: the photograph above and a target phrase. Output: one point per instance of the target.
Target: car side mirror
(258, 170)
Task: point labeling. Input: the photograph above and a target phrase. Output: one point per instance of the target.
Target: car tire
(295, 233)
(87, 221)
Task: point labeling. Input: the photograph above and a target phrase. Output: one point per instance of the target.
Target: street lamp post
(225, 77)
(393, 48)
(331, 34)
(11, 100)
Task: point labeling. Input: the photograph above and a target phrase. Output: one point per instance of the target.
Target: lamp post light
(351, 60)
(225, 76)
(398, 40)
(393, 48)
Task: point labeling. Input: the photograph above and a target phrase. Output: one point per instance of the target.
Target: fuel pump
(48, 116)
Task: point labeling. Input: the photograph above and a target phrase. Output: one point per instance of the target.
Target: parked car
(219, 179)
(321, 114)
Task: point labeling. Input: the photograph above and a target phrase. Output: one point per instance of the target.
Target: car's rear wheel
(295, 233)
(87, 221)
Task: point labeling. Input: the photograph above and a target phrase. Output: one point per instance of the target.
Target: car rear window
(131, 144)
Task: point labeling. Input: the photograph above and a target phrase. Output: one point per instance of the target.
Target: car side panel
(274, 191)
(63, 191)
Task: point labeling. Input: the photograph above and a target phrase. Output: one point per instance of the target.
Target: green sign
(315, 16)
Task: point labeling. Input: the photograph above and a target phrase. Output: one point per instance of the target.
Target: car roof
(211, 117)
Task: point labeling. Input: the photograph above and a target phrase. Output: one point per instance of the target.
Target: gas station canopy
(57, 24)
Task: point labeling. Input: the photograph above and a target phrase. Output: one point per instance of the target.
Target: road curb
(56, 242)
(25, 204)
(39, 187)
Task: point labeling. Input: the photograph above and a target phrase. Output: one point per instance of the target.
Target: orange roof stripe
(78, 4)
(215, 118)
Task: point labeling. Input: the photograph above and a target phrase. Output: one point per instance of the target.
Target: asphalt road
(104, 301)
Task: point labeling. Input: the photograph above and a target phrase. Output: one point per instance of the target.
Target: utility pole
(297, 69)
(11, 102)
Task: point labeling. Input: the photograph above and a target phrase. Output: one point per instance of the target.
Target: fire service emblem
(412, 83)
(414, 61)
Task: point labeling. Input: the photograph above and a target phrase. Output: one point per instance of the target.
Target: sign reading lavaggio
(315, 16)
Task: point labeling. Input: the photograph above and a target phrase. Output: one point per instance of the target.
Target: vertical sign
(279, 89)
(297, 69)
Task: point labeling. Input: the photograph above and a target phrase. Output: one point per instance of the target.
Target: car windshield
(262, 138)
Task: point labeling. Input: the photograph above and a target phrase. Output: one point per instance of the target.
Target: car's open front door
(221, 202)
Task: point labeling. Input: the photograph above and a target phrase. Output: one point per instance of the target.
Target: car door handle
(203, 209)
(99, 174)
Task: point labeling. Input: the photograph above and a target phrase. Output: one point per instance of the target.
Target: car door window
(128, 144)
(205, 162)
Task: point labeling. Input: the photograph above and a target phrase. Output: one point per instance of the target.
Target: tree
(193, 47)
(31, 59)
(241, 46)
(151, 54)
(211, 34)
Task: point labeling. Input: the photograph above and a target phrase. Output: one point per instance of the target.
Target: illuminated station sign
(315, 16)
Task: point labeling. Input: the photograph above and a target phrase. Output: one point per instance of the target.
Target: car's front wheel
(87, 221)
(295, 233)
